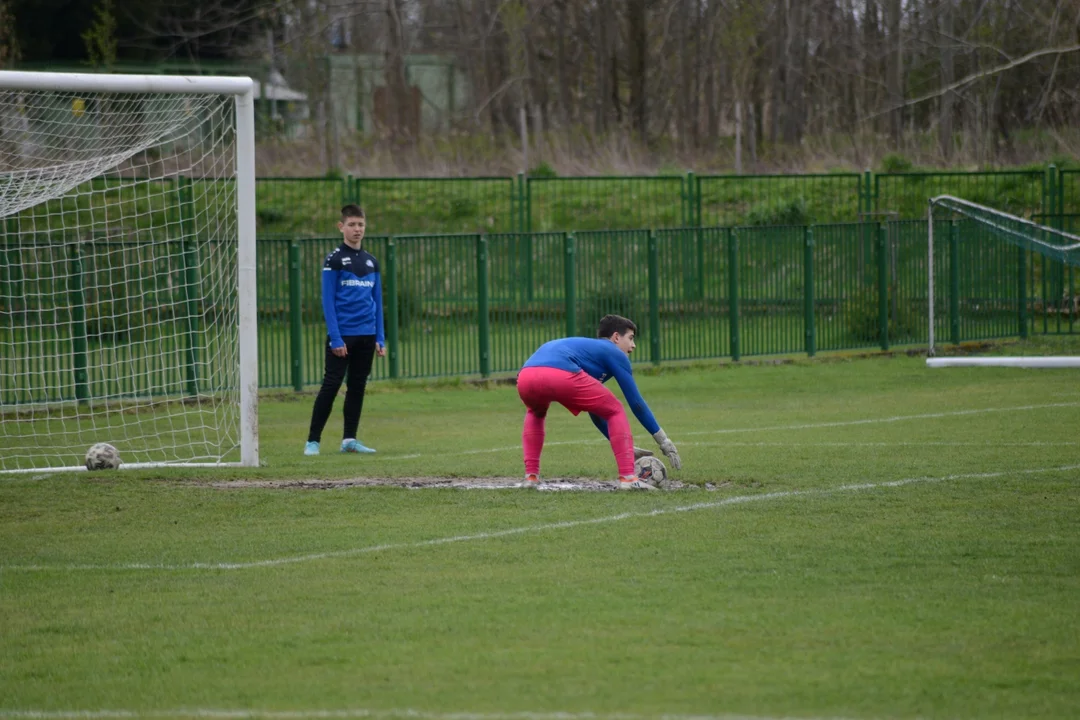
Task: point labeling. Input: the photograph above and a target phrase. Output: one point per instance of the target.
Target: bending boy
(571, 372)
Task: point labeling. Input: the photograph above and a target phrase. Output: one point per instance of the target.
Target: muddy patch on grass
(421, 483)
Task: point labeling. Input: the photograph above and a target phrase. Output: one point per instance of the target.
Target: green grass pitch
(859, 538)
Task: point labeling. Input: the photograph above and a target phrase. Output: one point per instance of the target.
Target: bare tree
(398, 101)
(638, 52)
(968, 75)
(9, 41)
(948, 76)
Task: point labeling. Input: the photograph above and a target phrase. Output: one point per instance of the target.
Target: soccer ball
(102, 456)
(651, 470)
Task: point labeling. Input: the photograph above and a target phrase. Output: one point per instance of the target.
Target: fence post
(393, 351)
(654, 298)
(808, 290)
(527, 250)
(733, 291)
(868, 193)
(883, 284)
(1050, 218)
(696, 194)
(569, 288)
(78, 325)
(1050, 195)
(523, 220)
(482, 304)
(189, 254)
(866, 209)
(1059, 204)
(699, 233)
(688, 200)
(296, 328)
(954, 282)
(1021, 292)
(860, 194)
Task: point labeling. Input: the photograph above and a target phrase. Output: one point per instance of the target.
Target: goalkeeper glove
(668, 448)
(641, 452)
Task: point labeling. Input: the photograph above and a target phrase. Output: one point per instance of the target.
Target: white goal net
(126, 270)
(997, 276)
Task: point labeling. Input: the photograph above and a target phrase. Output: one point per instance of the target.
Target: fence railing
(481, 303)
(476, 304)
(307, 206)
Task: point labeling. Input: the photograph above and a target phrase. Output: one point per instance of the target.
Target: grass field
(857, 538)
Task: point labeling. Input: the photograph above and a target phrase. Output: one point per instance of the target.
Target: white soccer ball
(651, 470)
(102, 456)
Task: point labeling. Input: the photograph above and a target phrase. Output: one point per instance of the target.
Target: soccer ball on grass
(102, 456)
(651, 470)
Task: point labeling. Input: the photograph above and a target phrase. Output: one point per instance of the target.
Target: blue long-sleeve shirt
(352, 295)
(600, 359)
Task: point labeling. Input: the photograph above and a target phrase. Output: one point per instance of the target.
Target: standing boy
(570, 372)
(352, 306)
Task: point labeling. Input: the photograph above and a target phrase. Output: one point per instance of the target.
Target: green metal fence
(904, 196)
(477, 304)
(732, 266)
(461, 304)
(298, 207)
(440, 205)
(1055, 284)
(1068, 192)
(607, 203)
(308, 207)
(527, 294)
(727, 200)
(72, 314)
(689, 289)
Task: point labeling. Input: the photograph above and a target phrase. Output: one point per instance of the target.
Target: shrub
(463, 207)
(268, 216)
(863, 322)
(782, 212)
(896, 163)
(543, 170)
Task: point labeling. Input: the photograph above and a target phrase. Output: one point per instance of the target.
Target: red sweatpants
(538, 387)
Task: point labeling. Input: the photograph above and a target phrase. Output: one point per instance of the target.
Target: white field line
(770, 428)
(215, 714)
(897, 418)
(1034, 443)
(527, 529)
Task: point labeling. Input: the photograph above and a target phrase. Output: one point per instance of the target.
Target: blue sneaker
(352, 446)
(311, 448)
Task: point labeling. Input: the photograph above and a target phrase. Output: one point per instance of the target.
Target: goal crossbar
(1013, 228)
(168, 84)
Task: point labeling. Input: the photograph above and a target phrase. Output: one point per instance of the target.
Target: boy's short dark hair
(611, 324)
(352, 210)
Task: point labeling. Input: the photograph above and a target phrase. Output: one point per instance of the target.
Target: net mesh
(1000, 277)
(1045, 240)
(118, 278)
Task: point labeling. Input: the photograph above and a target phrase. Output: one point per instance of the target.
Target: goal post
(1001, 275)
(127, 270)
